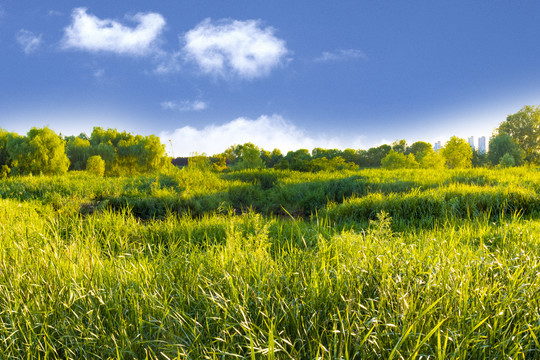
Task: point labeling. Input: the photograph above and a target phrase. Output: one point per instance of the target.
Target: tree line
(515, 142)
(105, 152)
(109, 152)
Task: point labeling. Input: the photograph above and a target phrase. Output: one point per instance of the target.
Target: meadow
(189, 264)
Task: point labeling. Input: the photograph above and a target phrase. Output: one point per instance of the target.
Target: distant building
(482, 145)
(471, 142)
(437, 146)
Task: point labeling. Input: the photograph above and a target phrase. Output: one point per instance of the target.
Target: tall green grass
(363, 277)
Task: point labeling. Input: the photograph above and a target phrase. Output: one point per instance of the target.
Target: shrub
(95, 165)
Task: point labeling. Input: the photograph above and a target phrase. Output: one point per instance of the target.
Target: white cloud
(99, 73)
(28, 41)
(55, 13)
(88, 32)
(341, 55)
(267, 132)
(243, 48)
(185, 105)
(168, 63)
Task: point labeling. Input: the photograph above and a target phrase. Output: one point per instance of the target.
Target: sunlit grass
(347, 282)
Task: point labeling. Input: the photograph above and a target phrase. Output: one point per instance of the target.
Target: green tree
(457, 153)
(524, 128)
(507, 160)
(298, 160)
(419, 149)
(4, 155)
(199, 162)
(398, 160)
(275, 157)
(375, 155)
(95, 165)
(399, 146)
(78, 152)
(251, 157)
(129, 152)
(219, 163)
(41, 151)
(431, 159)
(152, 156)
(501, 145)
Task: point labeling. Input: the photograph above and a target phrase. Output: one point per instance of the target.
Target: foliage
(398, 160)
(42, 151)
(507, 160)
(457, 153)
(4, 155)
(375, 155)
(429, 159)
(438, 264)
(78, 152)
(250, 157)
(524, 128)
(500, 146)
(399, 146)
(4, 171)
(220, 163)
(95, 165)
(419, 149)
(199, 162)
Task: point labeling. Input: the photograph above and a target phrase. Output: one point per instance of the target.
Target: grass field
(369, 264)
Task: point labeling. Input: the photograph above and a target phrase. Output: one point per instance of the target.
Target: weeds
(382, 264)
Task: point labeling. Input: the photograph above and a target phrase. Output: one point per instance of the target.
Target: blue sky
(207, 74)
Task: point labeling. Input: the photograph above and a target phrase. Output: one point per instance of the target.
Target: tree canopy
(524, 128)
(457, 153)
(502, 145)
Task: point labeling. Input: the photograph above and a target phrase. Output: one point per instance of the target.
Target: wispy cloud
(268, 132)
(341, 55)
(55, 13)
(168, 63)
(28, 41)
(185, 105)
(99, 73)
(89, 33)
(243, 48)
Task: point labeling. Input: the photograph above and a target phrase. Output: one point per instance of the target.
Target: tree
(419, 149)
(507, 160)
(432, 160)
(398, 160)
(95, 165)
(399, 146)
(298, 160)
(220, 163)
(457, 153)
(275, 157)
(375, 155)
(153, 156)
(78, 152)
(41, 151)
(4, 156)
(524, 128)
(502, 145)
(251, 157)
(199, 162)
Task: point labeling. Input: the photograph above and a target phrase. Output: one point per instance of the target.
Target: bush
(4, 171)
(95, 165)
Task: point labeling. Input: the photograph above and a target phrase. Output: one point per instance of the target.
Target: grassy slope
(170, 266)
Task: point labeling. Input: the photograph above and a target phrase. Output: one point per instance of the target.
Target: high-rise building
(482, 145)
(471, 141)
(437, 146)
